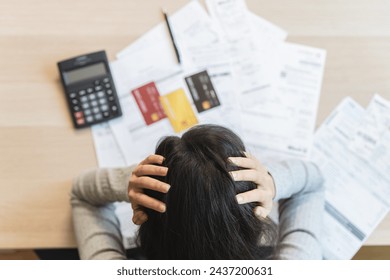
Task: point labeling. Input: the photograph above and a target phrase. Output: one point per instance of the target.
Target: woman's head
(203, 219)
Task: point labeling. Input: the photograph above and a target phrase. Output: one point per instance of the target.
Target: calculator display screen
(85, 73)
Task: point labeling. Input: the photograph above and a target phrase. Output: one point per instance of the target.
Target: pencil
(171, 35)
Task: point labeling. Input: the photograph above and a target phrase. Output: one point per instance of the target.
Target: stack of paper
(352, 150)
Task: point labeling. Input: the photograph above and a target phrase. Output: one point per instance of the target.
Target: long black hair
(203, 219)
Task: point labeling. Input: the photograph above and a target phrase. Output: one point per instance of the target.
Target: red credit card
(148, 101)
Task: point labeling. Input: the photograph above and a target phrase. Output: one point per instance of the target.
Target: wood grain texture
(40, 152)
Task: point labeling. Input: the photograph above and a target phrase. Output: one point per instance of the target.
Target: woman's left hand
(139, 180)
(257, 173)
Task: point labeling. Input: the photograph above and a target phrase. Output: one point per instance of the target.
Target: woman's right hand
(140, 180)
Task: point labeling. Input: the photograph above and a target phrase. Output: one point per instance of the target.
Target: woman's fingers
(244, 162)
(153, 159)
(148, 170)
(139, 217)
(140, 179)
(139, 198)
(258, 174)
(262, 212)
(251, 175)
(249, 196)
(150, 184)
(249, 163)
(257, 195)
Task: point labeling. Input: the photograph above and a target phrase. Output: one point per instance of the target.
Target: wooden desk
(40, 152)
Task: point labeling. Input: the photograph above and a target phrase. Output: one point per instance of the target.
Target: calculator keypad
(94, 103)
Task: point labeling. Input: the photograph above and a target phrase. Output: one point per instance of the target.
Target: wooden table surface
(40, 152)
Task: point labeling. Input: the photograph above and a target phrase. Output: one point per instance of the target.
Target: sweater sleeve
(300, 192)
(95, 224)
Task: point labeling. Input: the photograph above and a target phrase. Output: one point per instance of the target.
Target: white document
(256, 59)
(197, 36)
(357, 196)
(129, 230)
(268, 39)
(233, 18)
(108, 153)
(372, 139)
(135, 69)
(253, 45)
(284, 120)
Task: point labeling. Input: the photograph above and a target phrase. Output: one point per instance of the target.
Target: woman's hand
(257, 173)
(140, 180)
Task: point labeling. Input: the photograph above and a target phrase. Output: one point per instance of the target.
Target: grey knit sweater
(299, 191)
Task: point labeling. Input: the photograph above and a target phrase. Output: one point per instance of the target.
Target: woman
(195, 199)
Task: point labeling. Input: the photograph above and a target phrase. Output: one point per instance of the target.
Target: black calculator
(89, 89)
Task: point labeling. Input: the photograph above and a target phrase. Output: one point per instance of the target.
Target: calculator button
(100, 93)
(79, 115)
(97, 88)
(85, 105)
(84, 99)
(98, 116)
(109, 91)
(106, 114)
(106, 80)
(82, 92)
(111, 98)
(104, 108)
(89, 90)
(96, 83)
(89, 119)
(107, 85)
(102, 101)
(76, 108)
(96, 110)
(94, 103)
(87, 112)
(80, 121)
(72, 95)
(92, 96)
(75, 101)
(114, 108)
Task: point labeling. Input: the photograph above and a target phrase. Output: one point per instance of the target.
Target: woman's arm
(95, 224)
(299, 189)
(298, 186)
